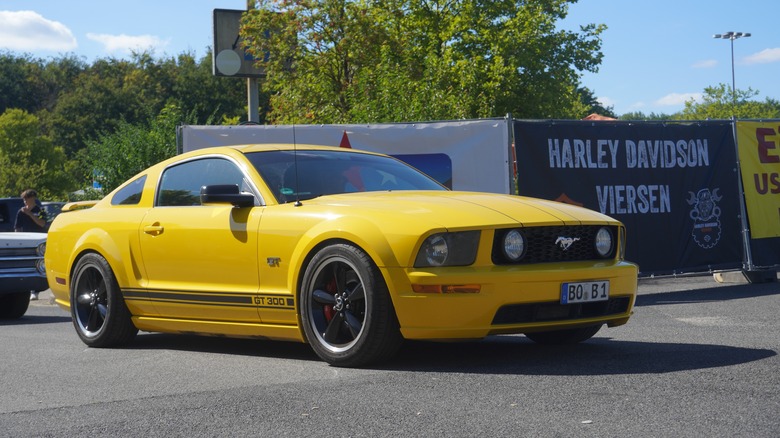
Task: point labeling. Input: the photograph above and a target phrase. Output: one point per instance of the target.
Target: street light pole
(748, 264)
(731, 36)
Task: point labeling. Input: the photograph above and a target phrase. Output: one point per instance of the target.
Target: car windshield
(306, 174)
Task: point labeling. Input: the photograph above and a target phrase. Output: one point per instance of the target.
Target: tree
(639, 115)
(195, 89)
(339, 61)
(79, 101)
(720, 102)
(101, 98)
(30, 160)
(34, 85)
(15, 90)
(593, 104)
(116, 156)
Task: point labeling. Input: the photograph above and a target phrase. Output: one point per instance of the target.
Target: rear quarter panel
(109, 231)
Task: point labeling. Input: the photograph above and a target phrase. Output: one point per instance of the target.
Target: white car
(21, 271)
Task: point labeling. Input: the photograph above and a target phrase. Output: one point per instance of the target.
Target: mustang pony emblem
(565, 242)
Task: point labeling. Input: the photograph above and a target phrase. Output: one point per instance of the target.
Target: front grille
(18, 259)
(17, 252)
(553, 311)
(542, 244)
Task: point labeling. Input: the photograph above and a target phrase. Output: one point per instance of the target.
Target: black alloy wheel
(347, 314)
(99, 313)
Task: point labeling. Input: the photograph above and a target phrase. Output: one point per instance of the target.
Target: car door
(201, 260)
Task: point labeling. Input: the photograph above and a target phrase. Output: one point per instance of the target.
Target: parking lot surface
(698, 358)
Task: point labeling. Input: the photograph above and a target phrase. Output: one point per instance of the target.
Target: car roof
(248, 148)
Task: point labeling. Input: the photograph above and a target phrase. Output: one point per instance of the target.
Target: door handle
(154, 230)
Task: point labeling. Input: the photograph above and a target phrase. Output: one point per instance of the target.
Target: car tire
(99, 312)
(14, 305)
(562, 337)
(346, 310)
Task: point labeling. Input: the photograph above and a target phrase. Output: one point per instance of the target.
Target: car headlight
(41, 249)
(514, 245)
(40, 266)
(448, 249)
(604, 242)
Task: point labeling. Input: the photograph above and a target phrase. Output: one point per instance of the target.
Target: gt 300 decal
(275, 302)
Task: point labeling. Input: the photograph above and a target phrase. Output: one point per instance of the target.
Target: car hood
(465, 209)
(21, 240)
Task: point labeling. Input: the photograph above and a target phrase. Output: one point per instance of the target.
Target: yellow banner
(759, 156)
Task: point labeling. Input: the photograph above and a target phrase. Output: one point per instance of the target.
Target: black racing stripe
(210, 299)
(190, 297)
(200, 298)
(132, 294)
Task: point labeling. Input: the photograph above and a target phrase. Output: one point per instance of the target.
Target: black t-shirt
(25, 222)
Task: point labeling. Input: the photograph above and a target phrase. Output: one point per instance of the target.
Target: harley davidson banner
(672, 184)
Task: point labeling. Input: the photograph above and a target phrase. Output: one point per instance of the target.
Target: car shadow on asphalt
(223, 345)
(516, 354)
(709, 294)
(35, 320)
(506, 354)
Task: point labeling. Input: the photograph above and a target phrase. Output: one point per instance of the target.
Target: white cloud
(29, 31)
(707, 63)
(606, 101)
(126, 44)
(677, 99)
(764, 57)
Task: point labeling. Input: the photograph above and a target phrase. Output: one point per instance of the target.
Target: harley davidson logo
(706, 217)
(565, 242)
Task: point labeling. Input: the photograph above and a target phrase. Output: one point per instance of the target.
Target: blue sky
(657, 54)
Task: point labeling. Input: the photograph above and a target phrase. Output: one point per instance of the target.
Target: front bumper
(512, 299)
(13, 284)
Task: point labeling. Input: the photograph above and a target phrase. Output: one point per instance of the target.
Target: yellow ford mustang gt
(349, 251)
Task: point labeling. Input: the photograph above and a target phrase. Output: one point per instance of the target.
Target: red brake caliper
(328, 308)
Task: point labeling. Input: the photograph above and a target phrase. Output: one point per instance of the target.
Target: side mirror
(226, 194)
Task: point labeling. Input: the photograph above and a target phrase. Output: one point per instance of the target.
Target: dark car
(52, 209)
(8, 209)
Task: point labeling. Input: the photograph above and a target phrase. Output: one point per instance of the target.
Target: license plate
(584, 292)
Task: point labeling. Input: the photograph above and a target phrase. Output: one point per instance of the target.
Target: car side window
(130, 194)
(180, 185)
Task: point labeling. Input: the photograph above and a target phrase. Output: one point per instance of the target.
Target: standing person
(31, 218)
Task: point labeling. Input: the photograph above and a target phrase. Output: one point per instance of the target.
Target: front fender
(362, 233)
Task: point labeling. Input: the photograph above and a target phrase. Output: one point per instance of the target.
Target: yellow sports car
(350, 251)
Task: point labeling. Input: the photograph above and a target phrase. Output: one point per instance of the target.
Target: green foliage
(594, 106)
(639, 115)
(86, 194)
(34, 85)
(76, 101)
(30, 160)
(720, 102)
(115, 157)
(339, 61)
(73, 104)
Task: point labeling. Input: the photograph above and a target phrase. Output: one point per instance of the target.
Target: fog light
(514, 245)
(604, 242)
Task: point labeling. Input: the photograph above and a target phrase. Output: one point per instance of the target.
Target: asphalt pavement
(698, 358)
